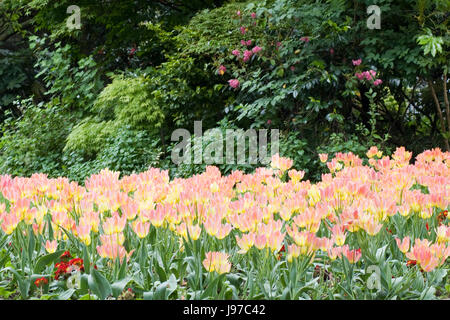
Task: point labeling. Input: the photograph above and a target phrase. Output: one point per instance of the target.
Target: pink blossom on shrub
(247, 55)
(377, 82)
(367, 75)
(356, 62)
(236, 53)
(256, 49)
(249, 42)
(243, 30)
(360, 76)
(305, 39)
(234, 83)
(253, 15)
(243, 42)
(238, 13)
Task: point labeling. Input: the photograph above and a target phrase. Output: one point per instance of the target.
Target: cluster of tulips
(243, 224)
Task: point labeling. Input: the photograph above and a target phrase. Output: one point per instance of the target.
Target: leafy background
(111, 94)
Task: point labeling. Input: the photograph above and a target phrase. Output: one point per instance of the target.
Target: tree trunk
(439, 111)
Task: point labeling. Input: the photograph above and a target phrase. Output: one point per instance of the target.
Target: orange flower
(295, 175)
(84, 233)
(443, 234)
(217, 261)
(245, 242)
(323, 157)
(373, 151)
(339, 234)
(141, 229)
(424, 255)
(334, 253)
(403, 245)
(281, 163)
(51, 246)
(353, 256)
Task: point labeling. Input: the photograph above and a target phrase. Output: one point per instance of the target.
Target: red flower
(41, 282)
(77, 262)
(411, 263)
(428, 228)
(442, 216)
(66, 256)
(61, 269)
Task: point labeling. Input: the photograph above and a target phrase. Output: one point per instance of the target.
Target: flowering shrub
(243, 236)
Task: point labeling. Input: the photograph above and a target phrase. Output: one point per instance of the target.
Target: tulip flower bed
(373, 228)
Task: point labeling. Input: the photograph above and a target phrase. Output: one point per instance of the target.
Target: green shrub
(34, 142)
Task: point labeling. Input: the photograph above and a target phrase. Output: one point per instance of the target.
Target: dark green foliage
(111, 94)
(34, 142)
(127, 151)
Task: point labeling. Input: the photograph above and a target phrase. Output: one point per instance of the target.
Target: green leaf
(24, 284)
(160, 292)
(280, 72)
(381, 253)
(99, 285)
(46, 260)
(31, 243)
(118, 286)
(86, 261)
(66, 295)
(123, 269)
(148, 295)
(5, 293)
(212, 287)
(88, 296)
(160, 268)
